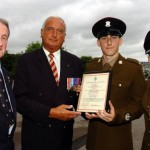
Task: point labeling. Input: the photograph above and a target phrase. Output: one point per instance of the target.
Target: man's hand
(76, 88)
(91, 115)
(61, 113)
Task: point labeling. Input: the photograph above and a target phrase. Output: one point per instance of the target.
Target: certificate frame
(95, 92)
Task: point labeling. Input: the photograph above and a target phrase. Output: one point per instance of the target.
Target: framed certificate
(95, 92)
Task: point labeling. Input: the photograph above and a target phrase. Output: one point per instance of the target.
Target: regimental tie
(106, 67)
(54, 68)
(4, 101)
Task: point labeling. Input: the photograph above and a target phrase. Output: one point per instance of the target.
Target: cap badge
(107, 24)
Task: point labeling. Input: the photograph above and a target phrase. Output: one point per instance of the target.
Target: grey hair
(5, 22)
(47, 19)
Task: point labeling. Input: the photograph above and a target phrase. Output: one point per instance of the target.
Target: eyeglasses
(112, 32)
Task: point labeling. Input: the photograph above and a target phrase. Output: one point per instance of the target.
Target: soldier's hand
(108, 117)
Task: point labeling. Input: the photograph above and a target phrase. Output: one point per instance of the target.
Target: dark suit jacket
(126, 93)
(6, 142)
(36, 93)
(146, 106)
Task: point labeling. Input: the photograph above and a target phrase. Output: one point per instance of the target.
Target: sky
(27, 16)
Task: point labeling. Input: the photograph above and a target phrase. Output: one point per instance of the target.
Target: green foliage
(9, 61)
(63, 48)
(33, 46)
(146, 74)
(85, 59)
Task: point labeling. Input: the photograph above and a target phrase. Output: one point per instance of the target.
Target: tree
(84, 60)
(9, 61)
(33, 46)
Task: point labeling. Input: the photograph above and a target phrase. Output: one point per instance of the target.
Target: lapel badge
(107, 24)
(120, 62)
(8, 78)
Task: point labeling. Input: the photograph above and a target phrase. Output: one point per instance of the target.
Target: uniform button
(49, 125)
(148, 145)
(3, 105)
(64, 127)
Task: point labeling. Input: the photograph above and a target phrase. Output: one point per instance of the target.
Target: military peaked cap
(109, 26)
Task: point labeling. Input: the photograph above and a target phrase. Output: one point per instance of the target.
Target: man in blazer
(7, 100)
(111, 130)
(46, 104)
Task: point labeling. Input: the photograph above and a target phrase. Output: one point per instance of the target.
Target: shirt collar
(56, 54)
(112, 62)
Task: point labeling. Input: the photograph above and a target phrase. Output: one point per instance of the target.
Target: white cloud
(26, 18)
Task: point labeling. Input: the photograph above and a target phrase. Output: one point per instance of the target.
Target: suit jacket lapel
(42, 64)
(64, 69)
(10, 92)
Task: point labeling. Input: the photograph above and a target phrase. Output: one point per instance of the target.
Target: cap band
(112, 32)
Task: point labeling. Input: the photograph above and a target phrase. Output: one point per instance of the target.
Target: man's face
(109, 45)
(3, 39)
(53, 34)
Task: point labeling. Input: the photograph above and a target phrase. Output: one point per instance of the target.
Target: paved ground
(80, 131)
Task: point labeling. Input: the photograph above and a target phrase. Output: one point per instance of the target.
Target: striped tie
(54, 69)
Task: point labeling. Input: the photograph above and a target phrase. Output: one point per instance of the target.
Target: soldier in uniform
(146, 100)
(112, 130)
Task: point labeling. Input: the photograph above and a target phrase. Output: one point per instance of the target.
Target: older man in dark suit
(41, 91)
(7, 100)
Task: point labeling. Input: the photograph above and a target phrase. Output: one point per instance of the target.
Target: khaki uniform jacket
(146, 105)
(127, 90)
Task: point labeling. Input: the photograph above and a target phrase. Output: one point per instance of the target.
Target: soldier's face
(109, 44)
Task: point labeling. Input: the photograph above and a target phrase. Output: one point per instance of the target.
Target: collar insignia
(120, 62)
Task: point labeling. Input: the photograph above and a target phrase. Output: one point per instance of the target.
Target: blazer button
(49, 125)
(40, 94)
